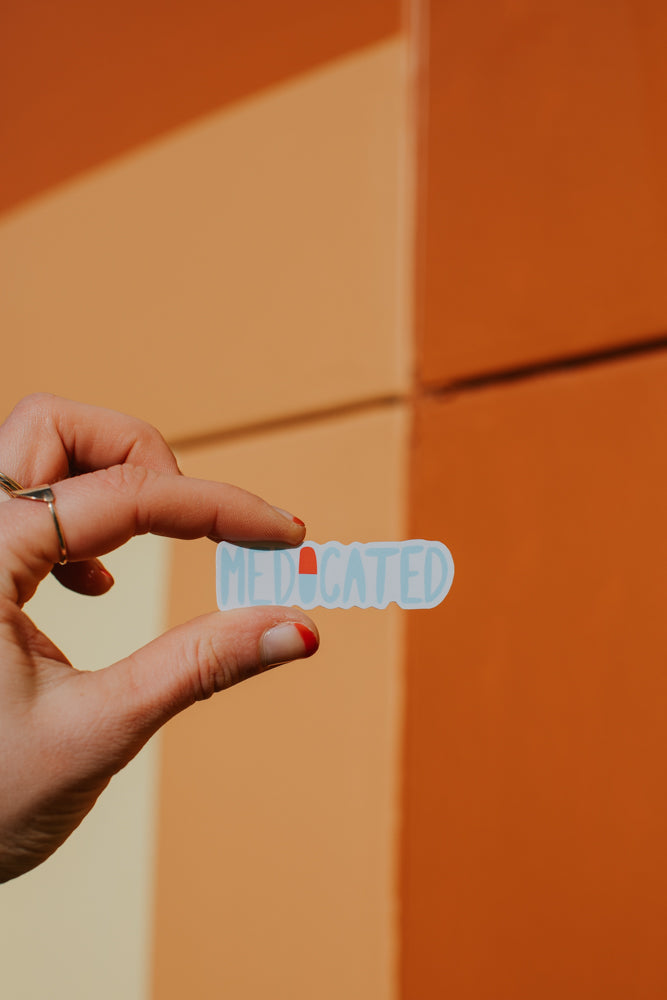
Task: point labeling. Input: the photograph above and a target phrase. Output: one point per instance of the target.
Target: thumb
(190, 663)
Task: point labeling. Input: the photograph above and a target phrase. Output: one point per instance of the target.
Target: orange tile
(247, 267)
(277, 852)
(543, 224)
(84, 82)
(536, 749)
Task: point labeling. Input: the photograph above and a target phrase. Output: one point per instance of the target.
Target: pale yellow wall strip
(79, 927)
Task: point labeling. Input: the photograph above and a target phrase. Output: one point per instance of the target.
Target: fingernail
(98, 571)
(290, 517)
(288, 641)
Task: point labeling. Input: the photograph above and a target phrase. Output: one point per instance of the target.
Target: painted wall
(534, 813)
(399, 268)
(207, 224)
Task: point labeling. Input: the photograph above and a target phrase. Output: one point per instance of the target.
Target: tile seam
(473, 383)
(568, 363)
(288, 421)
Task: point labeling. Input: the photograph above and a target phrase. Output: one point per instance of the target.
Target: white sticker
(414, 574)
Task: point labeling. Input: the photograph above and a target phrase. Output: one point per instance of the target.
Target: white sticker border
(397, 587)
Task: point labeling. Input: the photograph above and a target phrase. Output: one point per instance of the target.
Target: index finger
(47, 438)
(101, 510)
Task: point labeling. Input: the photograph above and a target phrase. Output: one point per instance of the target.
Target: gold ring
(45, 494)
(8, 484)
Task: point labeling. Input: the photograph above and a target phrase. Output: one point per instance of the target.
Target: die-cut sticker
(413, 574)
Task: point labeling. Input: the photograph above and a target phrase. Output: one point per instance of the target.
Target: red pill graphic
(307, 574)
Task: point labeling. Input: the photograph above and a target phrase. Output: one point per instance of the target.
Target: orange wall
(279, 802)
(207, 222)
(536, 759)
(543, 166)
(535, 756)
(91, 81)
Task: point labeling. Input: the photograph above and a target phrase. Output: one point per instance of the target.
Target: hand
(46, 439)
(63, 732)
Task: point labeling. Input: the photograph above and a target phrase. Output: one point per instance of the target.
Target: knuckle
(152, 435)
(129, 483)
(215, 669)
(35, 404)
(150, 441)
(124, 479)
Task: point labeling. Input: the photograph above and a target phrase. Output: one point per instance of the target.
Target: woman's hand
(64, 732)
(46, 439)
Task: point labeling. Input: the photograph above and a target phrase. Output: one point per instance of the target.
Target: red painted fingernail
(309, 639)
(290, 517)
(287, 641)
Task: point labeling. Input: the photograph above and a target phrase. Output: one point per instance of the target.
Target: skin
(65, 732)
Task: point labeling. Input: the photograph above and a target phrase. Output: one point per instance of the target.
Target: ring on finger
(45, 494)
(8, 484)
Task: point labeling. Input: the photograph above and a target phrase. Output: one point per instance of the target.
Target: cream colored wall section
(279, 799)
(277, 220)
(79, 926)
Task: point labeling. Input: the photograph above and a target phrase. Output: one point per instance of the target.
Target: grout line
(304, 418)
(472, 383)
(565, 364)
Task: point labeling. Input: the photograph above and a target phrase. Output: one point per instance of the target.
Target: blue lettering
(381, 554)
(354, 574)
(278, 556)
(407, 573)
(253, 573)
(329, 595)
(432, 593)
(232, 564)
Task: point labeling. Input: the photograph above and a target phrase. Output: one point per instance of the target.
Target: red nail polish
(309, 639)
(297, 520)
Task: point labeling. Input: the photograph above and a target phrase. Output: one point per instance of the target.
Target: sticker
(413, 574)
